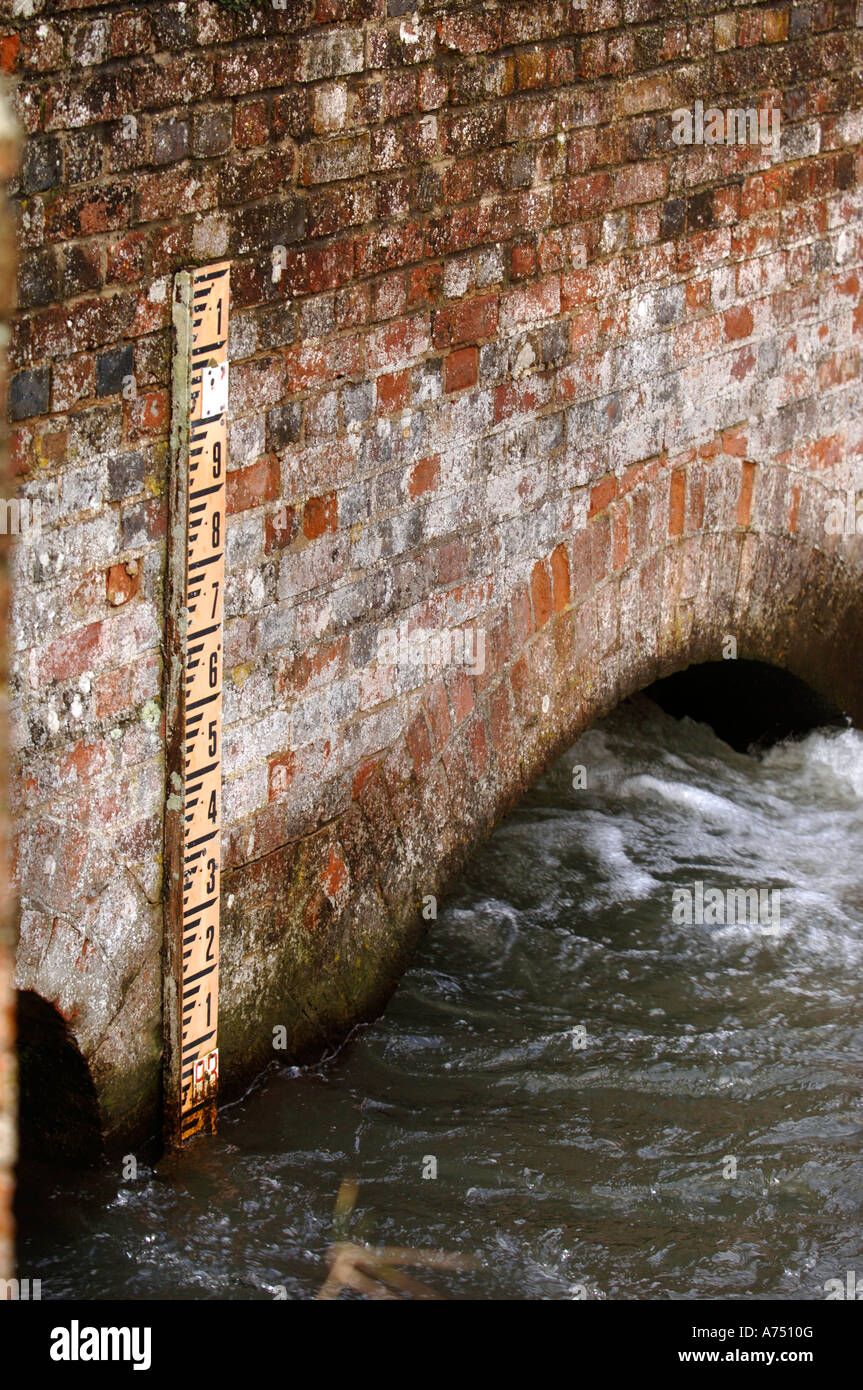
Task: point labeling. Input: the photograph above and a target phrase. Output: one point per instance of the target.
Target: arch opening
(746, 703)
(58, 1117)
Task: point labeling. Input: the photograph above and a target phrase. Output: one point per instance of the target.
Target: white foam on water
(823, 757)
(717, 809)
(608, 844)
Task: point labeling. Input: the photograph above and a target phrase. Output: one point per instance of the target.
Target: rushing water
(582, 1068)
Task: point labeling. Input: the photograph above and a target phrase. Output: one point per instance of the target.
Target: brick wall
(8, 163)
(504, 356)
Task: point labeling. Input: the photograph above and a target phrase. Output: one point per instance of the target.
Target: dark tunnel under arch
(59, 1120)
(748, 704)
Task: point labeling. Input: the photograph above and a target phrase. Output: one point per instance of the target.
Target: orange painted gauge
(194, 905)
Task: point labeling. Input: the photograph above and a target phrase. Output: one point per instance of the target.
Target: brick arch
(59, 1114)
(87, 971)
(670, 561)
(503, 354)
(663, 566)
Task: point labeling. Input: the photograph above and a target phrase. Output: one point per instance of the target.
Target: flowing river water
(618, 1104)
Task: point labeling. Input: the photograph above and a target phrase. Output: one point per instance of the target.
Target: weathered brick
(467, 322)
(113, 369)
(320, 514)
(84, 212)
(284, 423)
(83, 269)
(476, 292)
(251, 124)
(520, 308)
(211, 131)
(329, 55)
(169, 141)
(541, 595)
(172, 191)
(327, 161)
(640, 183)
(460, 369)
(253, 486)
(126, 473)
(42, 165)
(38, 279)
(29, 393)
(397, 344)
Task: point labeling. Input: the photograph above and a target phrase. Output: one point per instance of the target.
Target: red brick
(281, 773)
(735, 442)
(84, 326)
(560, 578)
(321, 363)
(121, 583)
(172, 192)
(69, 656)
(677, 502)
(619, 535)
(126, 258)
(461, 694)
(281, 529)
(320, 268)
(540, 588)
(424, 477)
(460, 369)
(522, 260)
(362, 777)
(467, 322)
(602, 494)
(119, 692)
(640, 183)
(431, 90)
(575, 199)
(150, 413)
(522, 684)
(393, 391)
(438, 715)
(424, 283)
(251, 124)
(335, 876)
(469, 34)
(397, 344)
(320, 514)
(389, 247)
(738, 322)
(523, 398)
(314, 667)
(254, 485)
(419, 745)
(744, 500)
(9, 45)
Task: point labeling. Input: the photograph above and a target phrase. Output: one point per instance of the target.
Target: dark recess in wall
(747, 703)
(58, 1111)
